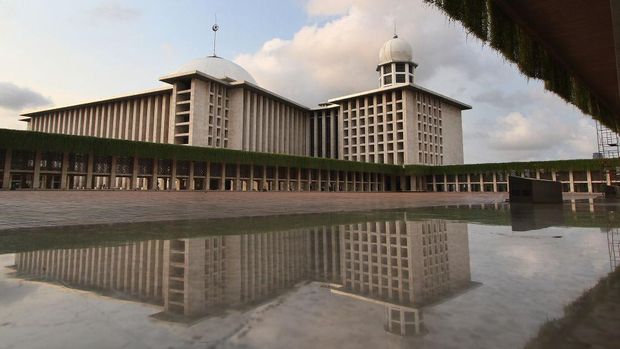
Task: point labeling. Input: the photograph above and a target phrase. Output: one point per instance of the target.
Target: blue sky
(63, 52)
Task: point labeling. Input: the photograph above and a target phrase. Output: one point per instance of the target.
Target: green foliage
(557, 165)
(28, 140)
(487, 20)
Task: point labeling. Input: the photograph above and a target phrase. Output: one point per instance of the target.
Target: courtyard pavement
(25, 209)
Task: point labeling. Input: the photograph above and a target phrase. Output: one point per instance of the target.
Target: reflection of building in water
(613, 241)
(400, 264)
(134, 270)
(403, 264)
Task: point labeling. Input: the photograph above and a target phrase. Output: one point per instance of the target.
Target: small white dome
(219, 68)
(395, 50)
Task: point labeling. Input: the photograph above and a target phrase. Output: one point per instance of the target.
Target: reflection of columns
(233, 270)
(195, 276)
(6, 175)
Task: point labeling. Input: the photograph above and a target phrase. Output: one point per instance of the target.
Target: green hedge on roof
(29, 140)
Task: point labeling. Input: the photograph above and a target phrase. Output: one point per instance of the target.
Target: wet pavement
(466, 276)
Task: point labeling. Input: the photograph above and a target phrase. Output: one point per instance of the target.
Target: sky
(54, 53)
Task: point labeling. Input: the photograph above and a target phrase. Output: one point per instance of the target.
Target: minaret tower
(396, 65)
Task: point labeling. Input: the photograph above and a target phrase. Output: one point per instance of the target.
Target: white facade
(212, 102)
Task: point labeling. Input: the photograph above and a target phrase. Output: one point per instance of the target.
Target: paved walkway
(39, 208)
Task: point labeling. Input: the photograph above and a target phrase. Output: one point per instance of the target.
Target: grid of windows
(374, 128)
(218, 115)
(430, 129)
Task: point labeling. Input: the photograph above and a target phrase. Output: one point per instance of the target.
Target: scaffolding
(608, 142)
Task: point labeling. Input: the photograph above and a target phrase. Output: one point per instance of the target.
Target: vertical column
(6, 176)
(89, 170)
(469, 182)
(481, 182)
(238, 186)
(63, 171)
(337, 187)
(571, 182)
(173, 176)
(277, 178)
(264, 180)
(208, 176)
(320, 180)
(113, 173)
(154, 174)
(134, 173)
(36, 177)
(495, 182)
(251, 188)
(298, 178)
(223, 181)
(589, 178)
(191, 176)
(288, 179)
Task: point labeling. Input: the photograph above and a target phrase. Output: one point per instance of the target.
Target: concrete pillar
(469, 183)
(134, 173)
(456, 183)
(309, 179)
(6, 175)
(237, 184)
(251, 188)
(223, 181)
(36, 177)
(288, 179)
(263, 183)
(208, 177)
(337, 187)
(173, 176)
(589, 178)
(571, 182)
(112, 173)
(537, 173)
(154, 174)
(89, 170)
(553, 175)
(299, 179)
(276, 176)
(434, 184)
(445, 182)
(64, 170)
(482, 182)
(320, 180)
(494, 182)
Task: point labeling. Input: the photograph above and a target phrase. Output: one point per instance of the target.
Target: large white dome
(219, 68)
(395, 50)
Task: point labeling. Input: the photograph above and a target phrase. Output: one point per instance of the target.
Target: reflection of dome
(219, 68)
(395, 50)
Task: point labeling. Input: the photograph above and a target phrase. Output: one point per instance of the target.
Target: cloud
(13, 97)
(513, 118)
(112, 10)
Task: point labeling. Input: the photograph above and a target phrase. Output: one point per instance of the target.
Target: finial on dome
(215, 28)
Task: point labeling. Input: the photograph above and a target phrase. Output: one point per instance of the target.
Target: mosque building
(213, 102)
